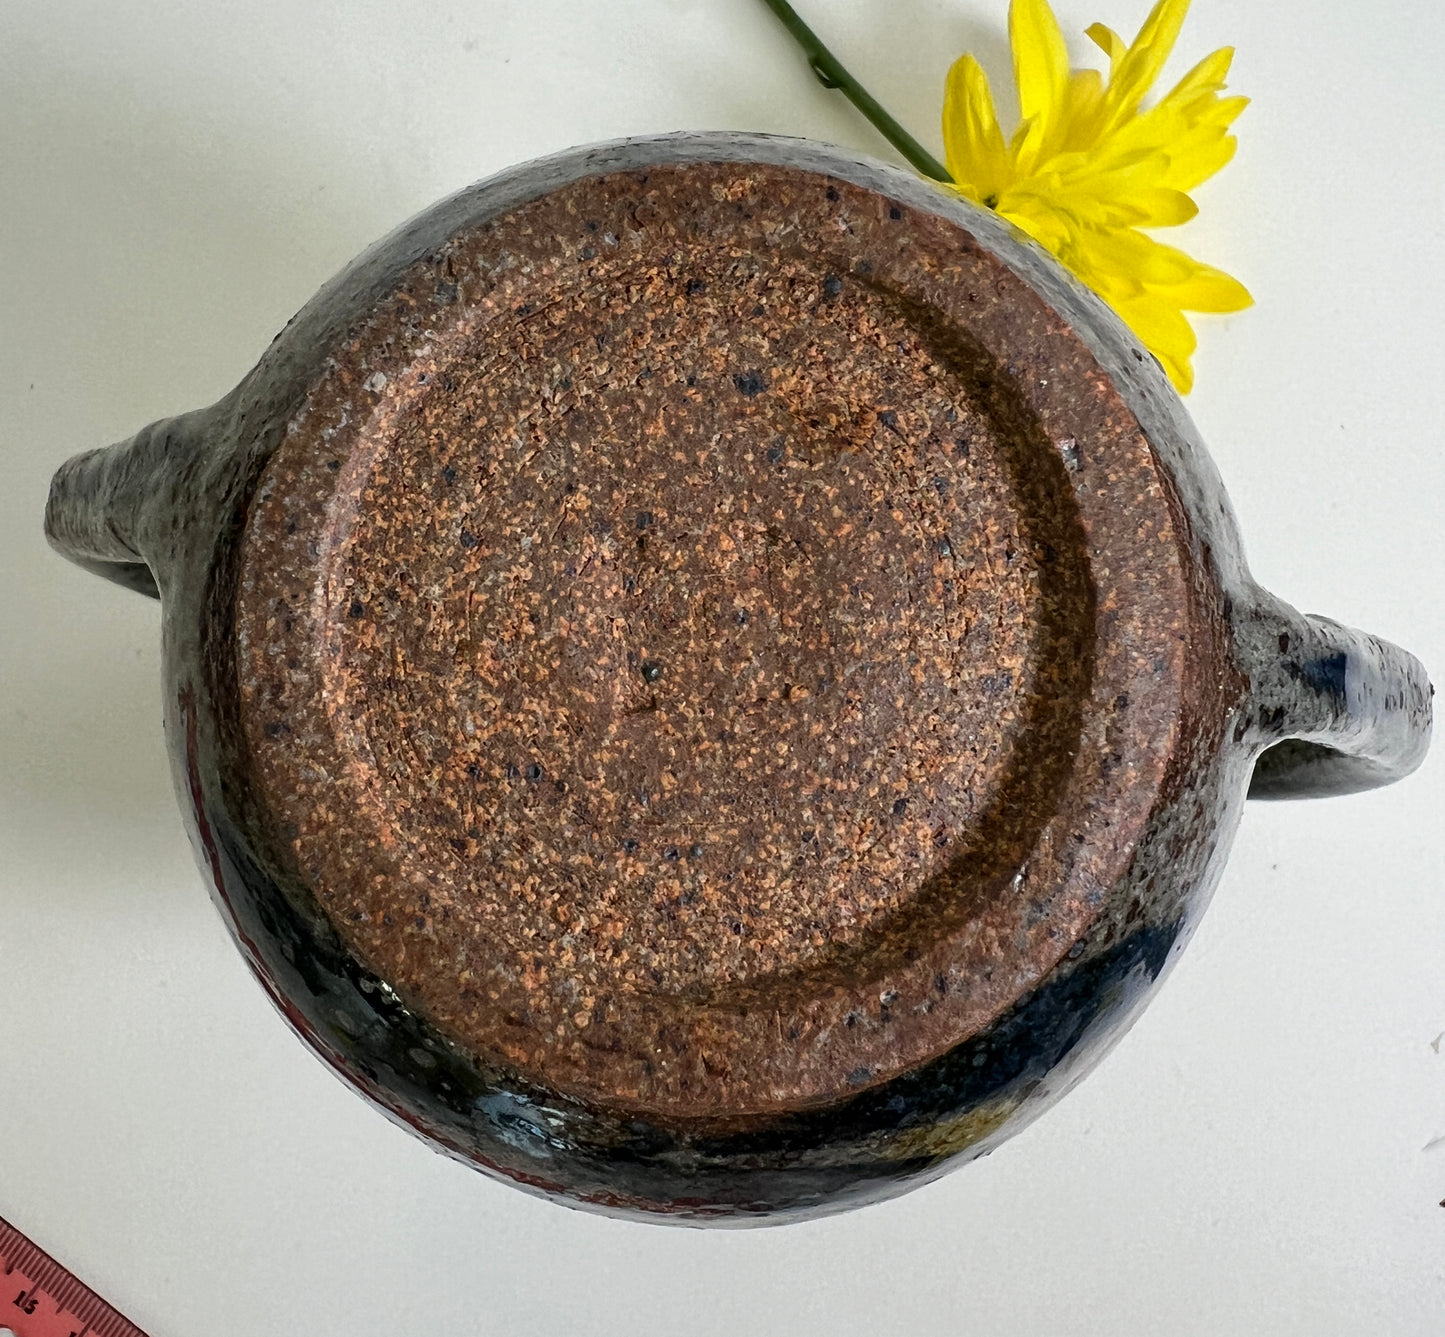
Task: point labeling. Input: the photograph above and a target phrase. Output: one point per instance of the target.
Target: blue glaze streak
(871, 1146)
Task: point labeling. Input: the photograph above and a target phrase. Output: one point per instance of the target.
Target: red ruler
(39, 1298)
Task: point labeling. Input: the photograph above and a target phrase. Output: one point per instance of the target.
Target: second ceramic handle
(1337, 710)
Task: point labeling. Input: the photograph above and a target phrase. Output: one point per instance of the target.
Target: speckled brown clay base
(687, 653)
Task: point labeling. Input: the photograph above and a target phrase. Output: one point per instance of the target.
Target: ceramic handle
(1332, 710)
(110, 510)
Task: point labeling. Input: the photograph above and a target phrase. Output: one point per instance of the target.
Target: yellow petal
(1109, 42)
(1192, 164)
(1162, 207)
(1133, 190)
(1224, 112)
(1192, 139)
(1206, 77)
(1152, 262)
(1041, 68)
(1151, 48)
(1211, 289)
(1081, 109)
(1116, 289)
(1027, 127)
(1169, 272)
(973, 143)
(1037, 216)
(1165, 333)
(1136, 71)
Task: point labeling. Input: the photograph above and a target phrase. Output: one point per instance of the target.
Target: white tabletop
(1263, 1153)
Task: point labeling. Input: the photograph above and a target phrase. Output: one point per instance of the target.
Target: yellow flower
(1088, 166)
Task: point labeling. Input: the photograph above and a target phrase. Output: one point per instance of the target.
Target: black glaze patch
(801, 1165)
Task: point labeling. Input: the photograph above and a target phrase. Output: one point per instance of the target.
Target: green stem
(831, 74)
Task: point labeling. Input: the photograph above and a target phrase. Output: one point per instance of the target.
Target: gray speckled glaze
(1326, 710)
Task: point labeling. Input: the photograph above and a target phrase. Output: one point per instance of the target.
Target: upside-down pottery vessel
(710, 678)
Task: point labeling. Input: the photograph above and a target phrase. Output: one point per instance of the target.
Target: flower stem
(831, 74)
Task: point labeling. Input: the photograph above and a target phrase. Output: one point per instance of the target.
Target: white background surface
(177, 178)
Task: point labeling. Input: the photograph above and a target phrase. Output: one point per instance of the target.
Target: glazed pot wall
(186, 511)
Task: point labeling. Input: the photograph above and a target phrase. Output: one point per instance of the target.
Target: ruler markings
(24, 1316)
